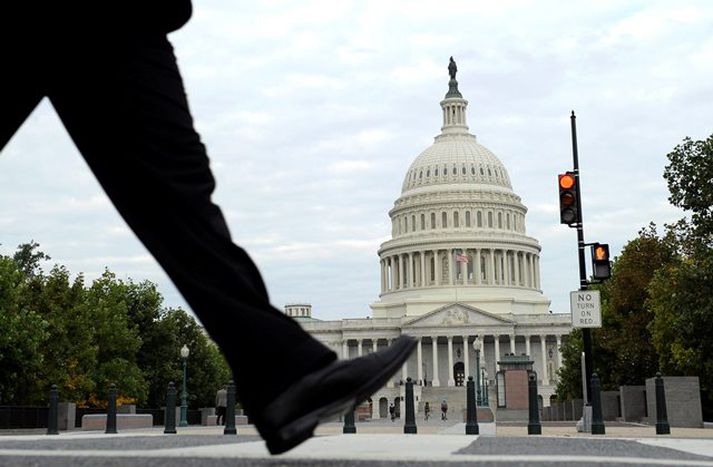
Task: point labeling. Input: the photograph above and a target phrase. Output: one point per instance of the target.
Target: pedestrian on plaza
(392, 412)
(221, 404)
(426, 411)
(444, 410)
(110, 73)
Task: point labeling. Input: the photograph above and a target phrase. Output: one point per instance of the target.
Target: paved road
(198, 447)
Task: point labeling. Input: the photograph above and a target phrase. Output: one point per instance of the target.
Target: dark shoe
(340, 386)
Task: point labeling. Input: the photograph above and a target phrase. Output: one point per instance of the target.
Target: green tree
(622, 348)
(28, 257)
(22, 333)
(680, 294)
(116, 340)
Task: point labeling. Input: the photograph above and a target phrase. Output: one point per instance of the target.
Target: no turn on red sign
(586, 309)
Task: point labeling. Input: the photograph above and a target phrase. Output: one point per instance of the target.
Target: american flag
(461, 258)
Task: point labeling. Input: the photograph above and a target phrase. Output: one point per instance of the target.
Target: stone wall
(683, 401)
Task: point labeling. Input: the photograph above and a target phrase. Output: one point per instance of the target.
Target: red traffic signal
(601, 267)
(569, 211)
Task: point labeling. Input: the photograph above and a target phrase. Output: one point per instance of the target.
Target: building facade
(460, 274)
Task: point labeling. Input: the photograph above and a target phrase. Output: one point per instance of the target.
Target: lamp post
(484, 380)
(476, 347)
(184, 393)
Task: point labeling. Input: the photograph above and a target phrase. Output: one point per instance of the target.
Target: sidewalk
(376, 443)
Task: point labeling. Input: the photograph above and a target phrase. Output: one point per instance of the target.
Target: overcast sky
(313, 111)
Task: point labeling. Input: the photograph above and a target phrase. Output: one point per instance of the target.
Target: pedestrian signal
(569, 211)
(601, 266)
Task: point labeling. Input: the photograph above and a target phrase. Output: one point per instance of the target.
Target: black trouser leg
(127, 113)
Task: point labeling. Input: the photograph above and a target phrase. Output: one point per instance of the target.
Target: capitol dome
(458, 230)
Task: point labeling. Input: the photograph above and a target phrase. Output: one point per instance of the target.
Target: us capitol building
(460, 274)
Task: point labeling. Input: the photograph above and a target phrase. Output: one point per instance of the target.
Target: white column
(345, 349)
(476, 267)
(423, 269)
(491, 279)
(401, 272)
(359, 349)
(451, 379)
(516, 259)
(466, 361)
(497, 351)
(537, 271)
(434, 344)
(559, 352)
(411, 278)
(437, 267)
(545, 377)
(419, 360)
(525, 272)
(451, 270)
(512, 343)
(527, 347)
(374, 345)
(506, 266)
(464, 268)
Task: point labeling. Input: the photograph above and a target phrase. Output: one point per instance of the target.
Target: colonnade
(485, 266)
(494, 352)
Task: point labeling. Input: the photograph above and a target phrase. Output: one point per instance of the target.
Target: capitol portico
(460, 274)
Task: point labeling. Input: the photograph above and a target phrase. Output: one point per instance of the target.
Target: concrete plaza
(376, 443)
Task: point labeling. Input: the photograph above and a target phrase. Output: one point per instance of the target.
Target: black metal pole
(349, 426)
(583, 284)
(471, 417)
(111, 411)
(597, 419)
(230, 411)
(662, 426)
(534, 427)
(169, 418)
(52, 419)
(410, 421)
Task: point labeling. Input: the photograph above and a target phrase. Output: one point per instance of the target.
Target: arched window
(472, 170)
(428, 173)
(444, 220)
(507, 221)
(490, 219)
(456, 220)
(413, 223)
(479, 219)
(467, 218)
(420, 174)
(436, 172)
(482, 172)
(500, 220)
(433, 220)
(454, 170)
(423, 222)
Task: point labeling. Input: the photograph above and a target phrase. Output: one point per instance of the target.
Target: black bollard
(471, 423)
(111, 411)
(410, 421)
(230, 411)
(52, 421)
(349, 426)
(169, 418)
(662, 426)
(534, 427)
(597, 422)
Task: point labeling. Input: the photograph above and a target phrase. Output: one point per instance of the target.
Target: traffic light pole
(583, 284)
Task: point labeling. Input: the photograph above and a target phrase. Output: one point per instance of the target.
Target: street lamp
(184, 394)
(476, 347)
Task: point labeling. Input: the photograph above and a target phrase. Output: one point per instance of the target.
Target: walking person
(221, 404)
(110, 73)
(392, 412)
(426, 411)
(444, 410)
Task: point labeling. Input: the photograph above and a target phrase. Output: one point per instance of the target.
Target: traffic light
(600, 261)
(569, 213)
